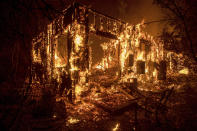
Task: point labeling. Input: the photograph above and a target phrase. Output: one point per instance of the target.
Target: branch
(157, 21)
(48, 6)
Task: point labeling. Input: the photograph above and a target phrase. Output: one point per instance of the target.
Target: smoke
(132, 11)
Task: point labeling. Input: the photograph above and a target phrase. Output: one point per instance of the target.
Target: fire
(54, 116)
(99, 67)
(58, 61)
(154, 73)
(140, 56)
(116, 127)
(124, 52)
(103, 64)
(73, 120)
(78, 39)
(104, 46)
(108, 59)
(123, 56)
(184, 71)
(78, 90)
(78, 42)
(72, 59)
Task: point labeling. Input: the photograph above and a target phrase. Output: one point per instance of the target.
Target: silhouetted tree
(179, 33)
(20, 22)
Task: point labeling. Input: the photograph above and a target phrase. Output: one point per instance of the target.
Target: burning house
(85, 70)
(85, 45)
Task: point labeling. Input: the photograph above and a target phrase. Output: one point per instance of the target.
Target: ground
(110, 109)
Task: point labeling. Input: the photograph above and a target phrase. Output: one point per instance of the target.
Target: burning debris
(73, 120)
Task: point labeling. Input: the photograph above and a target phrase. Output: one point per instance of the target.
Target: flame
(58, 61)
(73, 120)
(78, 90)
(116, 127)
(92, 28)
(140, 56)
(78, 39)
(78, 42)
(154, 73)
(123, 56)
(72, 59)
(129, 41)
(78, 34)
(108, 59)
(105, 46)
(184, 71)
(99, 67)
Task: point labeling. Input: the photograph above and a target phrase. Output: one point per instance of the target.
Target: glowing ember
(73, 120)
(54, 116)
